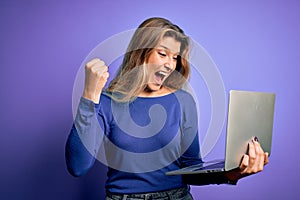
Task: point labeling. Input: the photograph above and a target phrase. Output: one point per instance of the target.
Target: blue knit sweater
(139, 141)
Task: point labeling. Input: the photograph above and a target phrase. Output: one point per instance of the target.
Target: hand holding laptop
(252, 162)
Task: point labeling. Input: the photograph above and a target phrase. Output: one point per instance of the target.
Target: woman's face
(162, 62)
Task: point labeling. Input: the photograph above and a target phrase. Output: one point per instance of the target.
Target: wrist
(234, 175)
(88, 95)
(92, 97)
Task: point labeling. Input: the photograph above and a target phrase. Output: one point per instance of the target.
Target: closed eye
(162, 54)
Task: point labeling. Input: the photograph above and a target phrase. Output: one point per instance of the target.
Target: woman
(146, 122)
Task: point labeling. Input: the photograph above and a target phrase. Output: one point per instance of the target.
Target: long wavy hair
(131, 78)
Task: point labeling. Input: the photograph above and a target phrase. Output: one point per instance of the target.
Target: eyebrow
(177, 53)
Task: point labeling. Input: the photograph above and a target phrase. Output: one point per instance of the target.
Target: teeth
(162, 73)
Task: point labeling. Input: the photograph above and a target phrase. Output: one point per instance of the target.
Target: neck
(151, 93)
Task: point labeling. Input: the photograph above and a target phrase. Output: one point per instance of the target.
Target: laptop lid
(249, 114)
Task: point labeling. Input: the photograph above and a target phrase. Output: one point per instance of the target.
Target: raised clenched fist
(96, 74)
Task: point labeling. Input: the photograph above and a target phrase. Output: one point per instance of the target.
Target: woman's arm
(84, 139)
(190, 147)
(86, 134)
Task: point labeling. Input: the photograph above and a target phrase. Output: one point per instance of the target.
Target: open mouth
(160, 76)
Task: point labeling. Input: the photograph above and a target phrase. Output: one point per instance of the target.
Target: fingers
(255, 159)
(103, 79)
(92, 62)
(244, 164)
(266, 158)
(260, 156)
(105, 75)
(96, 75)
(97, 67)
(252, 154)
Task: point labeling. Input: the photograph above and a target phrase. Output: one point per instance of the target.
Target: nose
(170, 65)
(167, 67)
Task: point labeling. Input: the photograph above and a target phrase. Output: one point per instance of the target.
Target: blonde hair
(130, 79)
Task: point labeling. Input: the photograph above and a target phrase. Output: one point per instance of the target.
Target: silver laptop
(249, 114)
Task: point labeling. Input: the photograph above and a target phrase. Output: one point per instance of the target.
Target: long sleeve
(189, 133)
(84, 139)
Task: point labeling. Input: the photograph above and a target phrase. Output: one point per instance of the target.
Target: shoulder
(105, 95)
(185, 97)
(105, 102)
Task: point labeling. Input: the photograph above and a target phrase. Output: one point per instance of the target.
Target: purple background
(255, 45)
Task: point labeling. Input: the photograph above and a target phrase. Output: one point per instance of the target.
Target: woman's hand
(252, 162)
(96, 75)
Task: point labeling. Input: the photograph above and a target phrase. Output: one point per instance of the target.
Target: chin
(154, 87)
